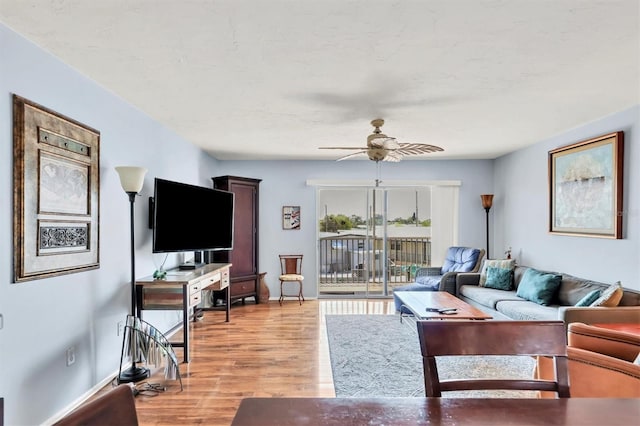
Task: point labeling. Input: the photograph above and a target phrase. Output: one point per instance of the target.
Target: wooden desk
(182, 290)
(436, 411)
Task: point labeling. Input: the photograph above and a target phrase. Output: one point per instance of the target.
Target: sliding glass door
(372, 239)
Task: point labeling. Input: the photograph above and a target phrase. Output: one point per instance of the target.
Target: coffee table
(418, 301)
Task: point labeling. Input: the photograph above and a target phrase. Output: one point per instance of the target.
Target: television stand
(182, 291)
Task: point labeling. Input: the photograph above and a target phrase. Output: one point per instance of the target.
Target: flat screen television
(191, 218)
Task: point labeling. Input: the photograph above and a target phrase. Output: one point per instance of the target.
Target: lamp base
(133, 374)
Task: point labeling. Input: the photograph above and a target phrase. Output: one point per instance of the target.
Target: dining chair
(483, 338)
(291, 271)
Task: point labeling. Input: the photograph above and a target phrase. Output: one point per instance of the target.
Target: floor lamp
(487, 202)
(132, 179)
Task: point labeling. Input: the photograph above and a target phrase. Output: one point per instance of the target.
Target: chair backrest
(462, 259)
(291, 263)
(116, 407)
(524, 338)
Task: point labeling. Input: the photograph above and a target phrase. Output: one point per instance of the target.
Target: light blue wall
(284, 183)
(521, 208)
(44, 317)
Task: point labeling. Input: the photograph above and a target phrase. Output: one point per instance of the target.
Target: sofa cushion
(460, 259)
(431, 281)
(487, 296)
(539, 287)
(610, 297)
(526, 311)
(509, 264)
(498, 278)
(572, 289)
(589, 298)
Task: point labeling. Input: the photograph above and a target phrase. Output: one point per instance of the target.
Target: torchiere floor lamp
(487, 202)
(132, 179)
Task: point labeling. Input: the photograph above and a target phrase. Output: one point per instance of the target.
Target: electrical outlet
(71, 356)
(120, 328)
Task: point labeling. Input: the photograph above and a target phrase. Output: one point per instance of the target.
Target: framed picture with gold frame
(585, 187)
(56, 193)
(291, 217)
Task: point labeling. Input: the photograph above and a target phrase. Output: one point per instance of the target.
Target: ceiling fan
(381, 147)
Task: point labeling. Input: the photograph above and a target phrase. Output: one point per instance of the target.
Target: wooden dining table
(436, 411)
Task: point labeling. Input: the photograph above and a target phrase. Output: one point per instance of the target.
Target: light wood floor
(266, 350)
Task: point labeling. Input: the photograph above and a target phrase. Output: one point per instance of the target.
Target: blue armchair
(443, 278)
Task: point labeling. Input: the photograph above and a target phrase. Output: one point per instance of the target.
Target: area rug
(377, 356)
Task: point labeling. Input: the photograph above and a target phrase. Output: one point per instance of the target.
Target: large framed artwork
(56, 193)
(585, 187)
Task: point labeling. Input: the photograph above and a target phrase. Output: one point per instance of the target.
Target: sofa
(443, 278)
(507, 304)
(601, 362)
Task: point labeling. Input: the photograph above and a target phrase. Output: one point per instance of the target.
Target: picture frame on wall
(56, 193)
(291, 217)
(585, 187)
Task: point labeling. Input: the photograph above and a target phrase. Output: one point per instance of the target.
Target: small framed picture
(291, 217)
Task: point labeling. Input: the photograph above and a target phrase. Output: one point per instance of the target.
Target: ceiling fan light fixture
(381, 147)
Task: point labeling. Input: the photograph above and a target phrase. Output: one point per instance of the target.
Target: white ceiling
(257, 79)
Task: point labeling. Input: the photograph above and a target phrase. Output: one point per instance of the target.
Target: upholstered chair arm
(599, 315)
(428, 271)
(448, 282)
(594, 375)
(466, 278)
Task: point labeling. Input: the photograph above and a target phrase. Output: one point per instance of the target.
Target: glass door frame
(322, 184)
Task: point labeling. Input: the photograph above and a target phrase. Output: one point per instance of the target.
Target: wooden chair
(291, 268)
(116, 407)
(459, 337)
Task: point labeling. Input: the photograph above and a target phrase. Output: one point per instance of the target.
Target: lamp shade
(487, 200)
(131, 178)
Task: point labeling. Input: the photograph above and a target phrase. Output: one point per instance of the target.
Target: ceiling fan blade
(417, 148)
(342, 147)
(393, 157)
(351, 155)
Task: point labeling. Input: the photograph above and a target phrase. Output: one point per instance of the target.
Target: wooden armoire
(244, 274)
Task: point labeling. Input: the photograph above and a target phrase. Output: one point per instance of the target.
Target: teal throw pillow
(589, 298)
(496, 263)
(539, 287)
(498, 278)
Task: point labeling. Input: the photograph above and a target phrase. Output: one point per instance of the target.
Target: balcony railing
(350, 263)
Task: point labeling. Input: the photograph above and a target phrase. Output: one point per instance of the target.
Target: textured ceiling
(255, 79)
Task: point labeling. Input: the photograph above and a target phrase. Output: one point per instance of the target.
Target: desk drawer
(162, 298)
(217, 281)
(196, 288)
(195, 299)
(168, 298)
